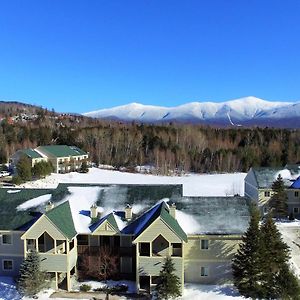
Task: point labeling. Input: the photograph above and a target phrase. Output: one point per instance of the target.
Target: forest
(167, 147)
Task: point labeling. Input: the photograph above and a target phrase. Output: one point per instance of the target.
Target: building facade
(71, 237)
(63, 158)
(258, 187)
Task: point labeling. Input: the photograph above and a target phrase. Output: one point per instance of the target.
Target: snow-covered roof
(195, 215)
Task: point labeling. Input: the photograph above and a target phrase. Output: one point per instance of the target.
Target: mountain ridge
(246, 111)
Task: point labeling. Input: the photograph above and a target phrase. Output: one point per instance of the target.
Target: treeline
(166, 147)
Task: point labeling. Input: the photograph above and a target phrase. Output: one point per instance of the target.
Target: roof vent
(49, 206)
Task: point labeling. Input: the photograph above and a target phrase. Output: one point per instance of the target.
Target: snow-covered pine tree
(279, 199)
(31, 278)
(169, 284)
(275, 264)
(246, 264)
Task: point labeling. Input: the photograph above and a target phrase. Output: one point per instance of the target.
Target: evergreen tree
(246, 264)
(289, 284)
(275, 264)
(84, 167)
(24, 168)
(169, 284)
(42, 169)
(31, 279)
(279, 199)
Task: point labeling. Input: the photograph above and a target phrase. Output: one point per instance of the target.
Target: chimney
(128, 212)
(49, 206)
(172, 210)
(94, 213)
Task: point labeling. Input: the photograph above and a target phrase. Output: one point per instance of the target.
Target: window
(204, 244)
(6, 239)
(7, 265)
(204, 271)
(267, 194)
(144, 249)
(82, 240)
(297, 194)
(296, 210)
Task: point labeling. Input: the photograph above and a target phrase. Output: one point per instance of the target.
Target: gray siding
(251, 188)
(17, 260)
(17, 246)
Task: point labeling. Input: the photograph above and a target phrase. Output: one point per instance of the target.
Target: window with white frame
(204, 244)
(267, 193)
(6, 239)
(7, 264)
(204, 271)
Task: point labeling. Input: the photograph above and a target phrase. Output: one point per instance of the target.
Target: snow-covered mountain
(240, 112)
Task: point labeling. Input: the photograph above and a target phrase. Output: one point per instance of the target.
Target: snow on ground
(34, 202)
(8, 289)
(210, 292)
(193, 184)
(291, 235)
(110, 283)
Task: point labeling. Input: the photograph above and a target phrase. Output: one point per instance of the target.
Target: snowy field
(193, 184)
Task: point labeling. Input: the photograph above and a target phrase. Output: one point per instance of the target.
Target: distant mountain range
(247, 111)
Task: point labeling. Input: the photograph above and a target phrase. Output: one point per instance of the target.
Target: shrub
(85, 287)
(17, 180)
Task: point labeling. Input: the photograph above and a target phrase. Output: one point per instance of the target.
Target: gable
(105, 228)
(158, 227)
(40, 226)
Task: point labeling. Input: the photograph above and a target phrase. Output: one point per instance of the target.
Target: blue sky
(85, 55)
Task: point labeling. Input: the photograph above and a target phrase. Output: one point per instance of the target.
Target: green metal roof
(31, 153)
(61, 216)
(10, 199)
(62, 150)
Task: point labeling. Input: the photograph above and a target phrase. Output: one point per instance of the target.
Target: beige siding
(218, 248)
(105, 229)
(40, 226)
(72, 259)
(263, 200)
(217, 258)
(218, 272)
(54, 262)
(155, 229)
(152, 265)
